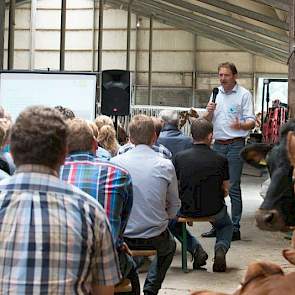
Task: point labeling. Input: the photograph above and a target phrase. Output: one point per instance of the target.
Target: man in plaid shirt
(108, 183)
(54, 238)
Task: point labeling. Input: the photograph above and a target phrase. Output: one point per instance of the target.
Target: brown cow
(264, 278)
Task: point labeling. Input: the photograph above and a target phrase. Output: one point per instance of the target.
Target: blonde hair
(103, 120)
(107, 139)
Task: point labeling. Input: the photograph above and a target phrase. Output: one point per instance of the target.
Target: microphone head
(215, 91)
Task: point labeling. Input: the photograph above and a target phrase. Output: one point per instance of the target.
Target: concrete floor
(255, 245)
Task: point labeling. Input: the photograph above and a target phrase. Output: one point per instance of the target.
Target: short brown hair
(80, 136)
(201, 128)
(158, 125)
(39, 136)
(230, 66)
(141, 129)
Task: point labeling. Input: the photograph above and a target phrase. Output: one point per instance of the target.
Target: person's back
(108, 183)
(147, 168)
(54, 238)
(47, 233)
(155, 200)
(171, 137)
(201, 174)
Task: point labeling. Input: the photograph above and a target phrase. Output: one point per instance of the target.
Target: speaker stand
(116, 126)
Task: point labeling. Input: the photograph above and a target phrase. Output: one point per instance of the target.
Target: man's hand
(211, 106)
(124, 248)
(237, 125)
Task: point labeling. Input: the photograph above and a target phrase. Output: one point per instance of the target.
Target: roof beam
(219, 26)
(278, 4)
(207, 32)
(247, 13)
(228, 19)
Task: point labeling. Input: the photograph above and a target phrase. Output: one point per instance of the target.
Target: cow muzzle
(270, 220)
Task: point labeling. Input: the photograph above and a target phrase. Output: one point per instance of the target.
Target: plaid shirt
(108, 183)
(54, 238)
(162, 150)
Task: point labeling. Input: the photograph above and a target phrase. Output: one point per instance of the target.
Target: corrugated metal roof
(234, 23)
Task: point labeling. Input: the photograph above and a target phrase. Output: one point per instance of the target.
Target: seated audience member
(107, 139)
(155, 200)
(54, 238)
(101, 153)
(103, 120)
(6, 123)
(171, 137)
(65, 112)
(106, 182)
(4, 167)
(203, 183)
(159, 148)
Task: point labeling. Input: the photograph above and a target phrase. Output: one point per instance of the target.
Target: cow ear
(289, 254)
(255, 154)
(261, 269)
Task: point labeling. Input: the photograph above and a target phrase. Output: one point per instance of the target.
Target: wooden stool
(184, 221)
(146, 253)
(123, 287)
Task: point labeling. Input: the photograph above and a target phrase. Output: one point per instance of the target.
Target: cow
(277, 212)
(264, 278)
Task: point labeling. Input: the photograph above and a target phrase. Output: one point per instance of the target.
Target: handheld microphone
(215, 92)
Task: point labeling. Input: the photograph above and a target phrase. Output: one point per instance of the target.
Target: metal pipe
(100, 33)
(128, 36)
(2, 31)
(136, 56)
(93, 35)
(33, 33)
(11, 35)
(62, 35)
(194, 80)
(150, 62)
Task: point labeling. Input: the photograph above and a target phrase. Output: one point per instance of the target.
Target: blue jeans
(235, 165)
(224, 232)
(165, 246)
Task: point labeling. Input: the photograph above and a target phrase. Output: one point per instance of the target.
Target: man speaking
(232, 117)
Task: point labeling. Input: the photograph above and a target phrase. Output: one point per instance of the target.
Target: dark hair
(66, 113)
(230, 66)
(201, 128)
(39, 136)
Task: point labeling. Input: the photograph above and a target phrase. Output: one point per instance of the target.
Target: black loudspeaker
(115, 93)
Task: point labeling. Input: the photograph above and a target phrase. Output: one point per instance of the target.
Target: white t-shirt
(236, 104)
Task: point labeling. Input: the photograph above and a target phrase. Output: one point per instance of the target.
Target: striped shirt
(159, 148)
(54, 238)
(106, 182)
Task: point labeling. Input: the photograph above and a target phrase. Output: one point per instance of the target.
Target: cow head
(277, 212)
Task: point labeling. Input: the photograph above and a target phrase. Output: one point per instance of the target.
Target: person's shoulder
(243, 90)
